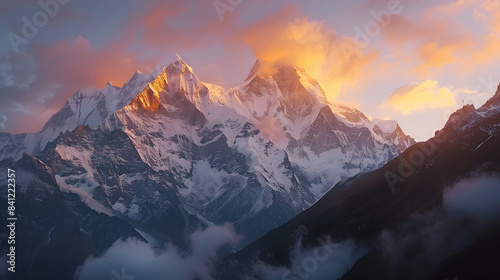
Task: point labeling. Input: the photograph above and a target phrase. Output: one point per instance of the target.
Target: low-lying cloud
(469, 208)
(329, 260)
(135, 259)
(476, 199)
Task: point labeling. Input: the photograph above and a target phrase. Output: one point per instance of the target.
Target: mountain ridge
(168, 154)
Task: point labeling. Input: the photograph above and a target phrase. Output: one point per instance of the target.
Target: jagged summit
(175, 62)
(495, 100)
(254, 71)
(459, 119)
(169, 60)
(289, 83)
(263, 70)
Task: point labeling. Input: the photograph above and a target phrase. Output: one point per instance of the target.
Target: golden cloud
(420, 96)
(290, 38)
(434, 40)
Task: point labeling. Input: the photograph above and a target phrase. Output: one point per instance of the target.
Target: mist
(330, 260)
(476, 199)
(135, 259)
(470, 208)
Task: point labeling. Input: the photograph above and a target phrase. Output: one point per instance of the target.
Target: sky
(412, 61)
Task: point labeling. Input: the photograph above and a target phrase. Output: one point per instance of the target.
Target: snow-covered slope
(86, 107)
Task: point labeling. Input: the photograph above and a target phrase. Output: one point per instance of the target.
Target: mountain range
(167, 154)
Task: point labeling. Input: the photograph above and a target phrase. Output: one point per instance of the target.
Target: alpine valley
(167, 154)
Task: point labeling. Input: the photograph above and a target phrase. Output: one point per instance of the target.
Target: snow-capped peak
(285, 74)
(283, 92)
(386, 126)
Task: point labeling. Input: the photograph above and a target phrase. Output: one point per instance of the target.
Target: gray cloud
(20, 69)
(477, 199)
(469, 207)
(134, 258)
(328, 261)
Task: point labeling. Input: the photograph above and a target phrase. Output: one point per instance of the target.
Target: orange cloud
(59, 70)
(416, 97)
(448, 9)
(432, 43)
(488, 11)
(288, 37)
(435, 56)
(173, 26)
(434, 40)
(71, 59)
